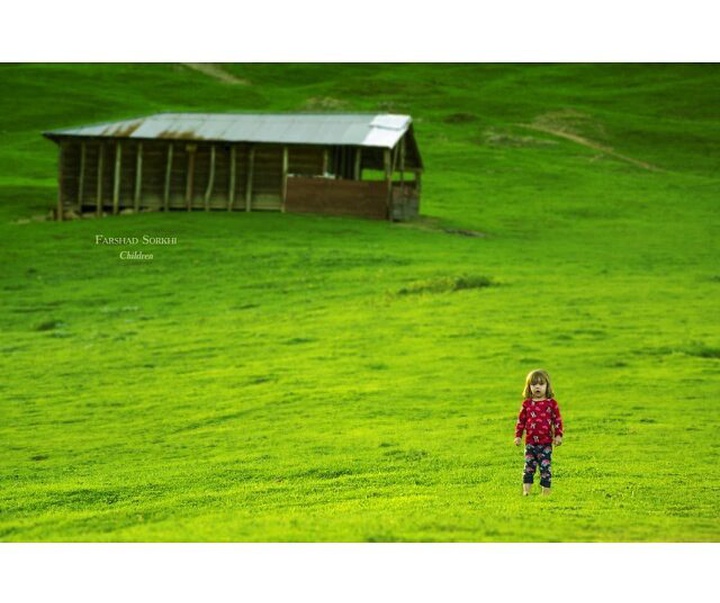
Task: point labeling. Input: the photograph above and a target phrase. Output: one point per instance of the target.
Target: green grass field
(308, 379)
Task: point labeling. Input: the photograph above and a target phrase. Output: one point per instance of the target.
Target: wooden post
(231, 192)
(98, 192)
(357, 171)
(326, 161)
(168, 177)
(191, 148)
(211, 178)
(138, 176)
(388, 180)
(285, 167)
(116, 177)
(60, 201)
(250, 175)
(81, 175)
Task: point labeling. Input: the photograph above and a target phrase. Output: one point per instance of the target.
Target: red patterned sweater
(540, 420)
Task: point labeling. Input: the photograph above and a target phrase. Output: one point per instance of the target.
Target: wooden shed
(364, 165)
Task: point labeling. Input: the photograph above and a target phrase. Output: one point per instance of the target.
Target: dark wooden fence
(330, 197)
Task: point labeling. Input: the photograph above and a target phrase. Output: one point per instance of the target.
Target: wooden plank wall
(405, 201)
(306, 160)
(367, 199)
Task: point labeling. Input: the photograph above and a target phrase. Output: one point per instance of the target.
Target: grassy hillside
(284, 378)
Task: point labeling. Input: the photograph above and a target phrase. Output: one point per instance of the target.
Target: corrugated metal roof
(370, 130)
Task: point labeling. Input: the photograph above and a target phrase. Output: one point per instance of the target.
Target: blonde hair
(538, 376)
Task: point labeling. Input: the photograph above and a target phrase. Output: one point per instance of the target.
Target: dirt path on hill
(217, 72)
(590, 144)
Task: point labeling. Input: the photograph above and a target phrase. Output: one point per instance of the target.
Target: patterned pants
(538, 456)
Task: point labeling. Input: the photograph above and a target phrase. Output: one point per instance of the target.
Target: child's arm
(557, 426)
(520, 425)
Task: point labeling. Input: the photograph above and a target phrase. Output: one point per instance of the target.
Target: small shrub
(701, 350)
(49, 325)
(460, 118)
(447, 284)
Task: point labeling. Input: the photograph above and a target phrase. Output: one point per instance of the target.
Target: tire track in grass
(541, 125)
(217, 72)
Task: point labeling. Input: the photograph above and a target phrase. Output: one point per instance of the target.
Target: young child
(541, 421)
